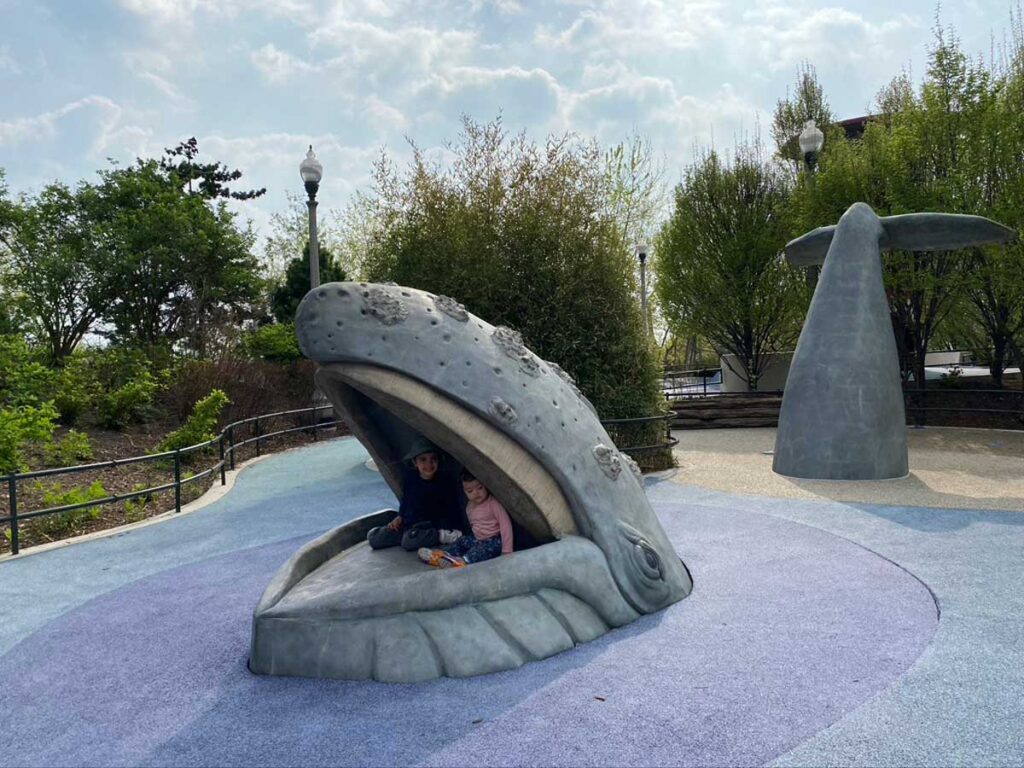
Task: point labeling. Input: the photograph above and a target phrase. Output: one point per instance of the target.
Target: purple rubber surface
(788, 629)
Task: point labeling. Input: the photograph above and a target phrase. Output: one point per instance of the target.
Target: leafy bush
(78, 386)
(135, 509)
(525, 236)
(200, 426)
(116, 386)
(62, 524)
(24, 380)
(130, 403)
(252, 386)
(273, 342)
(20, 426)
(73, 448)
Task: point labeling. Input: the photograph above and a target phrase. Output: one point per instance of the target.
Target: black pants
(422, 534)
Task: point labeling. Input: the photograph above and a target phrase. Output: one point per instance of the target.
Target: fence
(985, 408)
(227, 445)
(698, 382)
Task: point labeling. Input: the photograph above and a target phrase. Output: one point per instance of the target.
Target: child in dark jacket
(429, 511)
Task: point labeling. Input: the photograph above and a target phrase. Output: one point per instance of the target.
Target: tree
(208, 180)
(636, 201)
(806, 102)
(523, 236)
(720, 274)
(53, 270)
(943, 148)
(176, 266)
(286, 295)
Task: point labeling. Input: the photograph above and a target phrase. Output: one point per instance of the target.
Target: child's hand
(396, 524)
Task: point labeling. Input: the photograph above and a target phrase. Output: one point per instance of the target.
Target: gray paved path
(799, 645)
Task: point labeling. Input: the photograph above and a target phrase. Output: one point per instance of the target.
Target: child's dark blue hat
(420, 445)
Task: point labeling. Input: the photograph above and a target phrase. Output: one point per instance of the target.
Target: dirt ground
(108, 445)
(949, 467)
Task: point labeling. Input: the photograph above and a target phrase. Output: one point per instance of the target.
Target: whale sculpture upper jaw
(436, 348)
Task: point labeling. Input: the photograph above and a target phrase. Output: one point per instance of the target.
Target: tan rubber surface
(949, 467)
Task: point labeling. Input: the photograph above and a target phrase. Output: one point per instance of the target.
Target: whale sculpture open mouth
(398, 362)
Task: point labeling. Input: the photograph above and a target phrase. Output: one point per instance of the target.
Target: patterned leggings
(473, 550)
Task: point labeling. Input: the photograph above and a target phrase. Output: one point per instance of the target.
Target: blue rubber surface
(797, 645)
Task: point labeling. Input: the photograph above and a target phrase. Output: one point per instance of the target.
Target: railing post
(257, 430)
(704, 378)
(220, 444)
(316, 423)
(231, 445)
(177, 479)
(12, 487)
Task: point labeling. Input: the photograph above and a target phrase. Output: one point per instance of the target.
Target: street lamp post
(811, 141)
(641, 254)
(311, 172)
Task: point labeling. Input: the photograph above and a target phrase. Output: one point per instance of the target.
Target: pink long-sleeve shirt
(489, 519)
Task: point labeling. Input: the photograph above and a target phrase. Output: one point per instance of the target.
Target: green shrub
(523, 235)
(117, 384)
(24, 380)
(20, 426)
(62, 524)
(78, 387)
(73, 448)
(135, 509)
(273, 342)
(200, 426)
(130, 403)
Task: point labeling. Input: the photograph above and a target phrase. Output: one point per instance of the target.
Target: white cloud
(618, 28)
(278, 66)
(183, 12)
(781, 36)
(384, 116)
(44, 126)
(8, 66)
(410, 52)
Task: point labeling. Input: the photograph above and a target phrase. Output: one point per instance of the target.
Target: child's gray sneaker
(448, 536)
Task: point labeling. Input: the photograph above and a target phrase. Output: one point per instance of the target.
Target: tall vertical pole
(314, 246)
(12, 489)
(641, 254)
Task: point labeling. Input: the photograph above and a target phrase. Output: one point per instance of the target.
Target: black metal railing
(1001, 407)
(226, 446)
(643, 428)
(677, 384)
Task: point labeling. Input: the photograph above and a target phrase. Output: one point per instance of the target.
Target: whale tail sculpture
(398, 362)
(842, 414)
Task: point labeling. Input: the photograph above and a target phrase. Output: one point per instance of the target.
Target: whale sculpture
(842, 414)
(397, 362)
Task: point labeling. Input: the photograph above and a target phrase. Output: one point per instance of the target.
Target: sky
(257, 81)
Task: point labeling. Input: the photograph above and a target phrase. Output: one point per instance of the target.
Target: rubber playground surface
(819, 631)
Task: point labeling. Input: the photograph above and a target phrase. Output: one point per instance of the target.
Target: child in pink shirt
(491, 531)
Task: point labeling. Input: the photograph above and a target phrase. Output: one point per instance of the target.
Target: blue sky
(258, 80)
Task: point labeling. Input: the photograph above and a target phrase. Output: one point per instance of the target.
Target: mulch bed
(122, 444)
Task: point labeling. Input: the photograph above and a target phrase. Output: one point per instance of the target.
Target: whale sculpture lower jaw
(415, 624)
(395, 363)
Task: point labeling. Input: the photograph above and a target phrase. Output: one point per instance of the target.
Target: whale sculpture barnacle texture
(398, 362)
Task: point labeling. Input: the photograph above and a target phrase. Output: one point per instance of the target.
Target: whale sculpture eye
(650, 562)
(647, 561)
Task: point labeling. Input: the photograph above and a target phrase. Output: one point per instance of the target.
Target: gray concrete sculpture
(842, 412)
(398, 362)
